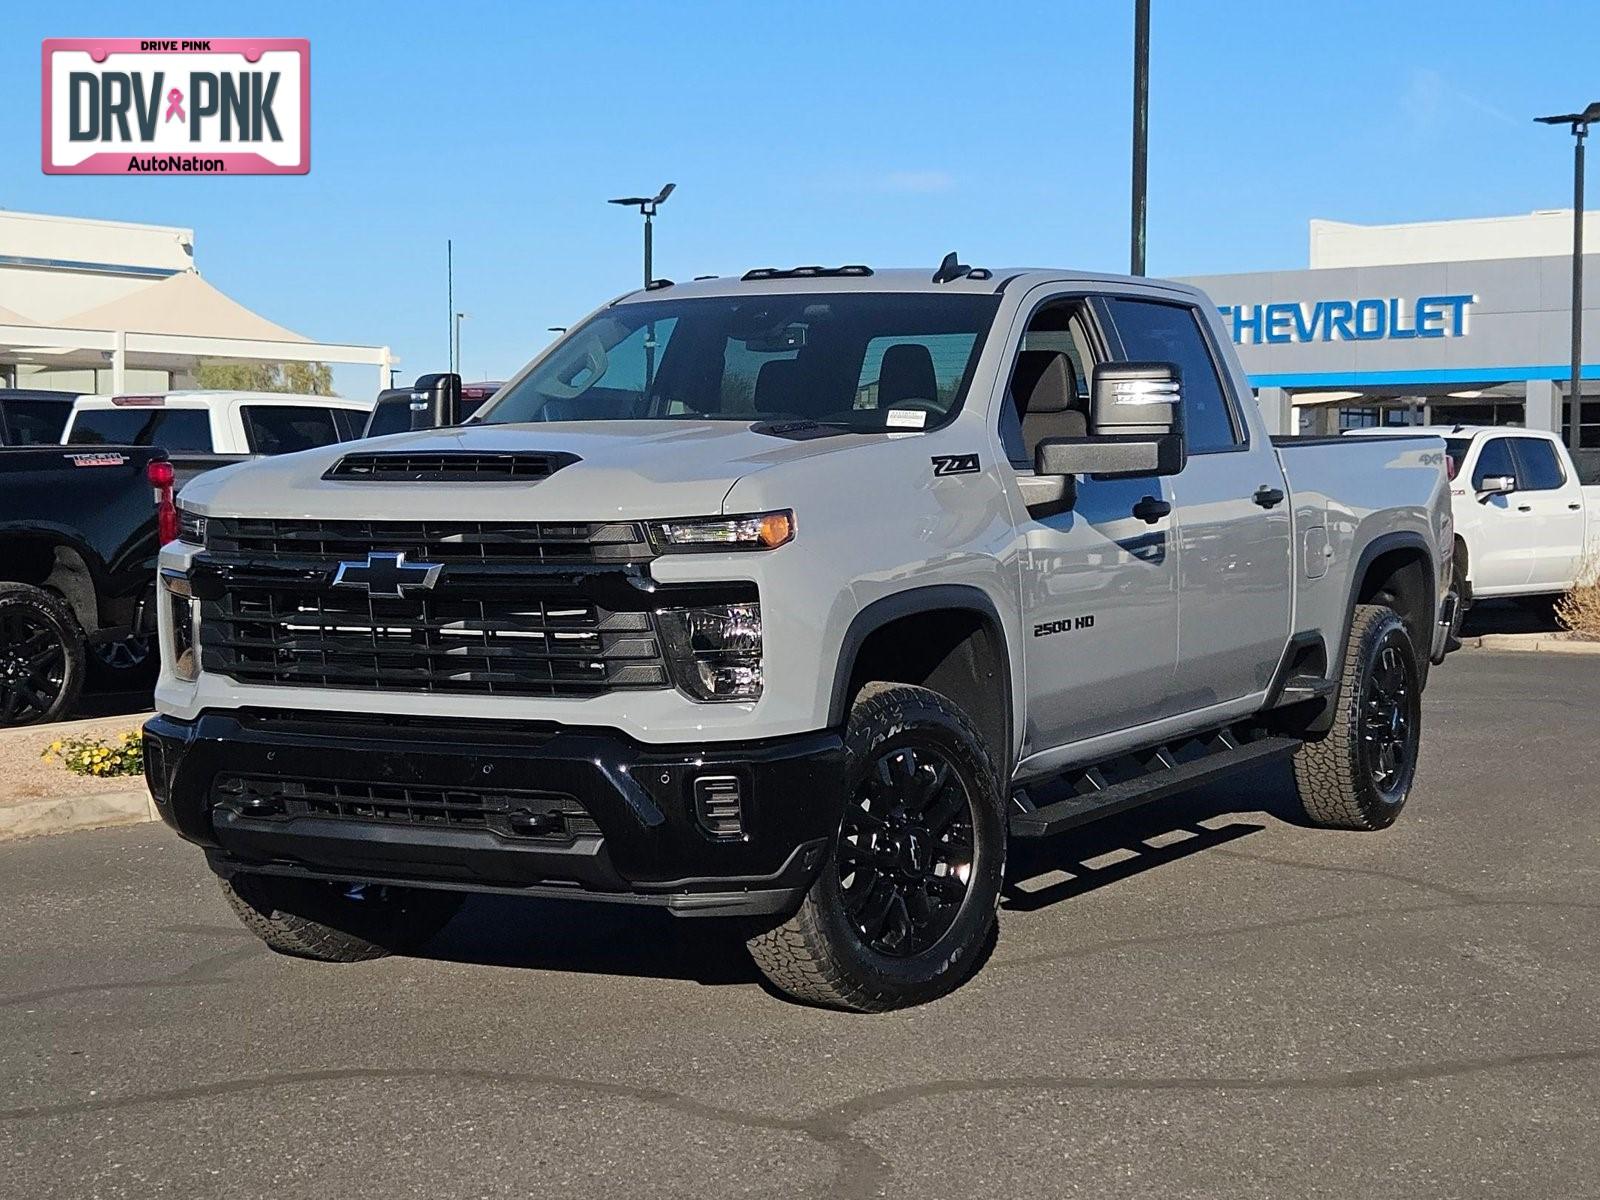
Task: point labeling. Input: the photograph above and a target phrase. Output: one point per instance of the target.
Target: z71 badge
(955, 464)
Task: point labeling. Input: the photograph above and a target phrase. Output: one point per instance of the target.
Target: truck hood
(627, 470)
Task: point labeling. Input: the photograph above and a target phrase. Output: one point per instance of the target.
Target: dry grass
(1579, 610)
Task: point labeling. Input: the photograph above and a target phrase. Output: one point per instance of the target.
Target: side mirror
(436, 400)
(1497, 485)
(1135, 425)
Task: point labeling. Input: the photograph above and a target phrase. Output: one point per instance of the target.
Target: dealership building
(1438, 322)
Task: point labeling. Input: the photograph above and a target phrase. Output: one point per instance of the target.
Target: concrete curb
(62, 814)
(1549, 643)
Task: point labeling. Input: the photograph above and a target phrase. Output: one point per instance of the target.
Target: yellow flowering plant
(122, 755)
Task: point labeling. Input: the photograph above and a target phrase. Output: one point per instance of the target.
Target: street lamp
(647, 206)
(455, 343)
(1141, 129)
(1579, 123)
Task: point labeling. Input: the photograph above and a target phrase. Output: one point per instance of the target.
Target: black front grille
(466, 638)
(432, 541)
(449, 466)
(552, 816)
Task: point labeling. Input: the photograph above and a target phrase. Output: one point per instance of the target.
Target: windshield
(851, 359)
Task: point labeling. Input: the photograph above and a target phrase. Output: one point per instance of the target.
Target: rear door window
(177, 430)
(1538, 468)
(286, 428)
(1152, 331)
(1493, 460)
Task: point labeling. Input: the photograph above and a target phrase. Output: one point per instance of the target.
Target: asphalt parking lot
(1202, 999)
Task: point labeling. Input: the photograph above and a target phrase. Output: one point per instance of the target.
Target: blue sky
(884, 133)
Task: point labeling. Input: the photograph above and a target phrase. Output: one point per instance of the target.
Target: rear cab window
(35, 422)
(176, 430)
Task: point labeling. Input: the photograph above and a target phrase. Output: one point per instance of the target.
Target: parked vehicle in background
(204, 429)
(33, 417)
(200, 430)
(791, 599)
(1524, 524)
(392, 412)
(79, 532)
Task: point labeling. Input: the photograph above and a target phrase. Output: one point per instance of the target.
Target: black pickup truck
(79, 531)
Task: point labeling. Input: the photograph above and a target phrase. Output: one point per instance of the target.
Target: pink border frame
(234, 164)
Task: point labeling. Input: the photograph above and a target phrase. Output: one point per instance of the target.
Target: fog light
(715, 652)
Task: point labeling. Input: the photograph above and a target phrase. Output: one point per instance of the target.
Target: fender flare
(1384, 543)
(938, 597)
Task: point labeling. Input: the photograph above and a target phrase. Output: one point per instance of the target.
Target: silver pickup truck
(789, 599)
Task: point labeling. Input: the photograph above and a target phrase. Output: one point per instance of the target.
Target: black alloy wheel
(34, 666)
(1388, 720)
(906, 850)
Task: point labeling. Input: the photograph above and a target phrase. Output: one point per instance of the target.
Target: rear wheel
(904, 906)
(338, 922)
(41, 656)
(125, 664)
(1359, 775)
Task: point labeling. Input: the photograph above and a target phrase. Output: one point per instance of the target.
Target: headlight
(191, 527)
(757, 531)
(183, 629)
(715, 652)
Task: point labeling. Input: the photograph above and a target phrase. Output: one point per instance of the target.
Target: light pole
(1580, 129)
(455, 344)
(647, 206)
(1141, 128)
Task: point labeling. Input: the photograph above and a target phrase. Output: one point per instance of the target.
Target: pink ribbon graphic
(175, 106)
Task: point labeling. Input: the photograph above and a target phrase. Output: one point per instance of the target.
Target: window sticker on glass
(907, 418)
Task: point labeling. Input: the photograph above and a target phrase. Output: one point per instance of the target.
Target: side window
(1494, 459)
(1048, 392)
(1538, 468)
(1155, 332)
(283, 429)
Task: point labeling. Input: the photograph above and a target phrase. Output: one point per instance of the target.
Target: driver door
(1099, 583)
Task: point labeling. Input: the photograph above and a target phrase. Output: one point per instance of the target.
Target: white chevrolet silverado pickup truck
(1525, 527)
(789, 599)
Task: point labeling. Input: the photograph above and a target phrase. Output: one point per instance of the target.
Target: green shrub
(123, 755)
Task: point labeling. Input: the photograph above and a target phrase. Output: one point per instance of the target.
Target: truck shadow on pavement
(555, 935)
(1053, 870)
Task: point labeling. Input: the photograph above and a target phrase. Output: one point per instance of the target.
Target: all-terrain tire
(41, 656)
(1339, 785)
(820, 955)
(310, 919)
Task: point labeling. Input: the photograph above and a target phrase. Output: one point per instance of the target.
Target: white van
(243, 424)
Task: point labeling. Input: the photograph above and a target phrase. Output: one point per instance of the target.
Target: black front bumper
(496, 806)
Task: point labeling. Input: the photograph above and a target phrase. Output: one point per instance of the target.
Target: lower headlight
(715, 652)
(183, 627)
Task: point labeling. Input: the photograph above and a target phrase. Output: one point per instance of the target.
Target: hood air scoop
(449, 466)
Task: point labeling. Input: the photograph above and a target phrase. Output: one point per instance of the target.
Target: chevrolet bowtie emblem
(387, 575)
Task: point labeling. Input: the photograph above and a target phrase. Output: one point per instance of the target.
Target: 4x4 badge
(387, 575)
(955, 464)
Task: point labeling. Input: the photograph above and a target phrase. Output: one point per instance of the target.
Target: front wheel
(904, 905)
(1359, 775)
(337, 922)
(41, 656)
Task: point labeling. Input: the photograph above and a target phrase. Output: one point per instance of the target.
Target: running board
(1134, 779)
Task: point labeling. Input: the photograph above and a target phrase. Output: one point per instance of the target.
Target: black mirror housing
(1122, 454)
(1137, 398)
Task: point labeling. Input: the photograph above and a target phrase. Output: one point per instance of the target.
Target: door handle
(1267, 496)
(1524, 508)
(1150, 510)
(1574, 506)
